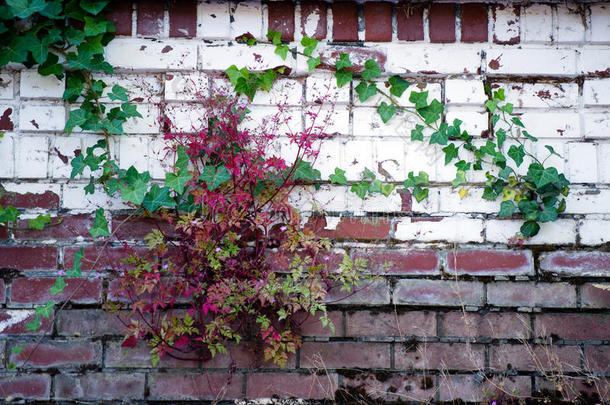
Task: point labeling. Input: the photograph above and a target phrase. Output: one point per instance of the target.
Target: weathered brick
(213, 19)
(42, 117)
(573, 326)
(150, 17)
(442, 22)
(195, 386)
(470, 388)
(127, 228)
(383, 324)
(345, 21)
(34, 85)
(183, 18)
(7, 87)
(506, 24)
(32, 157)
(410, 21)
(474, 22)
(570, 25)
(99, 258)
(597, 358)
(367, 293)
(545, 295)
(595, 295)
(486, 262)
(89, 322)
(14, 321)
(247, 18)
(313, 19)
(386, 387)
(438, 293)
(362, 228)
(523, 61)
(59, 354)
(2, 292)
(400, 262)
(28, 257)
(452, 229)
(600, 30)
(63, 227)
(495, 325)
(543, 95)
(560, 232)
(139, 357)
(25, 386)
(534, 358)
(245, 355)
(576, 264)
(137, 53)
(439, 356)
(378, 21)
(100, 386)
(309, 386)
(36, 291)
(120, 13)
(345, 355)
(310, 325)
(281, 18)
(537, 23)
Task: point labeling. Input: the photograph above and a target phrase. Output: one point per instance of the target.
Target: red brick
(25, 386)
(345, 355)
(120, 14)
(195, 386)
(89, 322)
(383, 324)
(376, 292)
(314, 12)
(14, 321)
(362, 228)
(182, 18)
(597, 358)
(495, 325)
(485, 262)
(3, 233)
(378, 21)
(310, 325)
(544, 295)
(100, 386)
(400, 262)
(575, 390)
(516, 11)
(139, 227)
(59, 354)
(28, 257)
(150, 17)
(107, 258)
(6, 120)
(438, 292)
(577, 264)
(2, 292)
(573, 326)
(439, 356)
(532, 358)
(387, 387)
(281, 18)
(36, 291)
(442, 22)
(64, 227)
(345, 21)
(245, 355)
(139, 357)
(594, 296)
(306, 386)
(474, 22)
(470, 388)
(47, 200)
(410, 21)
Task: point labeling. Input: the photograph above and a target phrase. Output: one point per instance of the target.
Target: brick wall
(461, 308)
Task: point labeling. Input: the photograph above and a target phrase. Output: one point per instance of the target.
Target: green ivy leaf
(518, 122)
(432, 112)
(491, 105)
(420, 193)
(552, 150)
(53, 10)
(371, 70)
(33, 325)
(137, 184)
(460, 178)
(528, 136)
(130, 110)
(18, 349)
(275, 37)
(45, 310)
(304, 171)
(343, 62)
(440, 137)
(507, 209)
(8, 214)
(40, 221)
(118, 93)
(451, 152)
(386, 189)
(343, 77)
(95, 26)
(58, 287)
(548, 214)
(51, 67)
(517, 154)
(360, 189)
(78, 263)
(420, 99)
(93, 7)
(463, 165)
(309, 44)
(530, 228)
(338, 177)
(489, 193)
(78, 165)
(25, 8)
(100, 226)
(365, 91)
(398, 85)
(215, 176)
(178, 181)
(499, 94)
(158, 197)
(505, 173)
(76, 118)
(501, 137)
(385, 111)
(420, 180)
(541, 176)
(282, 51)
(375, 187)
(313, 63)
(417, 133)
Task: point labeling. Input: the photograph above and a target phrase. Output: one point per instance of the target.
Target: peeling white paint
(15, 316)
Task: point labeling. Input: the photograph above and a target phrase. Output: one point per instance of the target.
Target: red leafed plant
(210, 279)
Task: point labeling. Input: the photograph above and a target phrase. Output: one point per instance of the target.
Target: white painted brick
(74, 198)
(583, 162)
(36, 86)
(594, 60)
(570, 26)
(390, 158)
(434, 92)
(47, 117)
(531, 60)
(323, 87)
(552, 124)
(537, 24)
(375, 203)
(148, 124)
(588, 201)
(161, 159)
(271, 120)
(328, 119)
(594, 231)
(465, 91)
(356, 155)
(543, 154)
(597, 125)
(31, 157)
(283, 92)
(600, 23)
(186, 86)
(421, 156)
(213, 19)
(151, 55)
(186, 117)
(133, 151)
(247, 17)
(140, 88)
(328, 156)
(419, 57)
(541, 95)
(328, 198)
(603, 151)
(63, 150)
(506, 23)
(367, 122)
(260, 57)
(7, 156)
(561, 231)
(596, 92)
(473, 202)
(458, 229)
(474, 121)
(6, 86)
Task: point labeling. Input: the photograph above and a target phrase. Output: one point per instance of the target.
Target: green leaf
(130, 110)
(39, 49)
(74, 88)
(137, 184)
(365, 91)
(18, 349)
(386, 189)
(313, 63)
(371, 70)
(440, 137)
(78, 263)
(548, 214)
(368, 174)
(420, 99)
(33, 325)
(74, 36)
(95, 26)
(375, 187)
(304, 171)
(517, 154)
(78, 165)
(58, 287)
(118, 93)
(343, 62)
(338, 177)
(178, 181)
(507, 209)
(215, 176)
(158, 197)
(541, 176)
(501, 137)
(343, 77)
(360, 189)
(505, 173)
(489, 193)
(93, 7)
(45, 310)
(530, 228)
(53, 10)
(417, 133)
(518, 122)
(40, 221)
(25, 8)
(51, 67)
(420, 193)
(282, 51)
(75, 119)
(491, 105)
(8, 214)
(499, 94)
(528, 136)
(309, 44)
(451, 152)
(552, 150)
(275, 37)
(432, 112)
(100, 226)
(398, 85)
(385, 111)
(460, 178)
